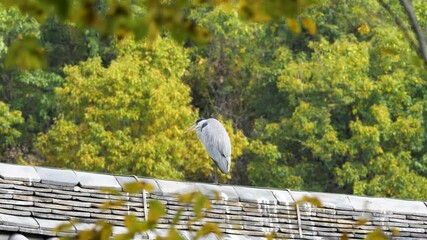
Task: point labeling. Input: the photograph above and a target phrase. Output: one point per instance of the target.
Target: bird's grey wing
(217, 142)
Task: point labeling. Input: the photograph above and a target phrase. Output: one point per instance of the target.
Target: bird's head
(197, 125)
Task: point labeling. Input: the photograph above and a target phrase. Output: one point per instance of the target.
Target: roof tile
(226, 193)
(15, 212)
(6, 195)
(9, 228)
(49, 224)
(33, 209)
(174, 187)
(242, 210)
(283, 197)
(4, 236)
(73, 192)
(6, 206)
(255, 195)
(119, 230)
(15, 202)
(80, 226)
(128, 179)
(95, 180)
(52, 187)
(387, 205)
(17, 236)
(332, 200)
(57, 176)
(71, 203)
(53, 196)
(71, 213)
(31, 189)
(53, 206)
(17, 172)
(51, 216)
(107, 216)
(18, 221)
(92, 210)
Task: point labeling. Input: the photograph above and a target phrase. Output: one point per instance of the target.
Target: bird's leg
(216, 174)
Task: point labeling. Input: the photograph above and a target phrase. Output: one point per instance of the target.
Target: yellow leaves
(105, 233)
(26, 53)
(331, 137)
(188, 197)
(308, 126)
(123, 236)
(217, 195)
(64, 226)
(293, 25)
(264, 11)
(137, 187)
(173, 234)
(274, 27)
(377, 234)
(270, 236)
(8, 119)
(133, 225)
(111, 204)
(364, 29)
(312, 200)
(309, 25)
(381, 114)
(177, 216)
(101, 231)
(250, 9)
(395, 231)
(156, 211)
(208, 228)
(362, 221)
(344, 236)
(200, 201)
(130, 116)
(109, 190)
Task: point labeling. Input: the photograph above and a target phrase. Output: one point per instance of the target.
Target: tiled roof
(34, 200)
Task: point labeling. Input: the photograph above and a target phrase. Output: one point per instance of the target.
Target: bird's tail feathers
(224, 166)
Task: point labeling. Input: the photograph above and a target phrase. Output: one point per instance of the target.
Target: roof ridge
(63, 178)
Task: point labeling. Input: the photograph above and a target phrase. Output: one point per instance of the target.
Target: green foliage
(8, 121)
(19, 41)
(30, 92)
(32, 55)
(129, 117)
(331, 96)
(267, 161)
(347, 125)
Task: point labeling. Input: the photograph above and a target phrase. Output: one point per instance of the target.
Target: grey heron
(215, 139)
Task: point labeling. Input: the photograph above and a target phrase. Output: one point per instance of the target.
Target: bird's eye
(198, 120)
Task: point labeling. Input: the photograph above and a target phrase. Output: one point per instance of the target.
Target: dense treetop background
(324, 96)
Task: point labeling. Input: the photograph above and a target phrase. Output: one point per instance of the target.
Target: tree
(130, 117)
(148, 18)
(30, 92)
(8, 121)
(333, 90)
(351, 130)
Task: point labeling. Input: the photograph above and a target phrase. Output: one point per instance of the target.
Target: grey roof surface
(34, 200)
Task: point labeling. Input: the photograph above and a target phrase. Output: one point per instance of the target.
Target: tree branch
(422, 49)
(399, 23)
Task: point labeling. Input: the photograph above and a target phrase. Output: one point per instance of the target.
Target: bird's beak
(190, 129)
